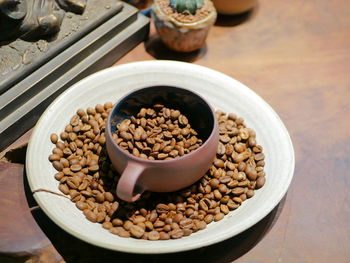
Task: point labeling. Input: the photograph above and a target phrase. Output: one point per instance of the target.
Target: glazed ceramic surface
(233, 7)
(221, 91)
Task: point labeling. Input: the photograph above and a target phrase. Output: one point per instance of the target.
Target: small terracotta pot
(179, 36)
(137, 174)
(233, 7)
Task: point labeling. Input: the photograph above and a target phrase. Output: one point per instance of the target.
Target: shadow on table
(74, 250)
(157, 49)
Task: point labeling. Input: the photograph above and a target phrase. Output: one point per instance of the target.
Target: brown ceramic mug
(137, 174)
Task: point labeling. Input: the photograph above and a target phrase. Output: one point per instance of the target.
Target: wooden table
(296, 55)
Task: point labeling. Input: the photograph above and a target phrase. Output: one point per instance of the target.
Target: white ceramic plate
(220, 90)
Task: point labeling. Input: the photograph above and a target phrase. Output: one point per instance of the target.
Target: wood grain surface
(296, 55)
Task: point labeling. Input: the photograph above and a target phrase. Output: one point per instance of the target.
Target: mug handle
(127, 182)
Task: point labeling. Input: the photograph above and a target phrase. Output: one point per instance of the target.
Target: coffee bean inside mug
(157, 133)
(86, 175)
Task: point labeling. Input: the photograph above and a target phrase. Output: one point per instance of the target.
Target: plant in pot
(183, 25)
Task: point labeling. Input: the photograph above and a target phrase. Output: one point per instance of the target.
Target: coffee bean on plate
(86, 175)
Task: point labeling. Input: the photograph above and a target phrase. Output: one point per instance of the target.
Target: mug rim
(213, 132)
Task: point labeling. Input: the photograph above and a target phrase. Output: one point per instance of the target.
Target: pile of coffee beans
(85, 173)
(157, 134)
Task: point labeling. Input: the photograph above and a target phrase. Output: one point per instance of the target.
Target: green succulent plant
(186, 6)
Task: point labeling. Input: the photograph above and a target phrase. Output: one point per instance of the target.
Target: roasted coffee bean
(66, 171)
(219, 163)
(116, 230)
(174, 225)
(109, 197)
(186, 223)
(224, 180)
(59, 176)
(90, 111)
(63, 188)
(176, 233)
(214, 183)
(187, 232)
(93, 185)
(240, 147)
(87, 176)
(260, 182)
(100, 197)
(164, 236)
(153, 216)
(85, 211)
(81, 112)
(117, 222)
(127, 225)
(113, 208)
(189, 212)
(107, 225)
(167, 228)
(149, 225)
(251, 172)
(157, 148)
(237, 200)
(208, 218)
(99, 108)
(54, 138)
(200, 224)
(250, 193)
(60, 145)
(81, 205)
(126, 136)
(64, 135)
(64, 162)
(177, 218)
(86, 193)
(225, 199)
(57, 165)
(73, 182)
(123, 233)
(54, 157)
(136, 231)
(217, 194)
(153, 235)
(172, 206)
(221, 149)
(158, 223)
(259, 157)
(76, 168)
(91, 216)
(219, 216)
(142, 225)
(57, 151)
(162, 156)
(241, 166)
(205, 204)
(83, 185)
(139, 219)
(222, 188)
(101, 216)
(162, 208)
(224, 209)
(238, 191)
(108, 105)
(232, 205)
